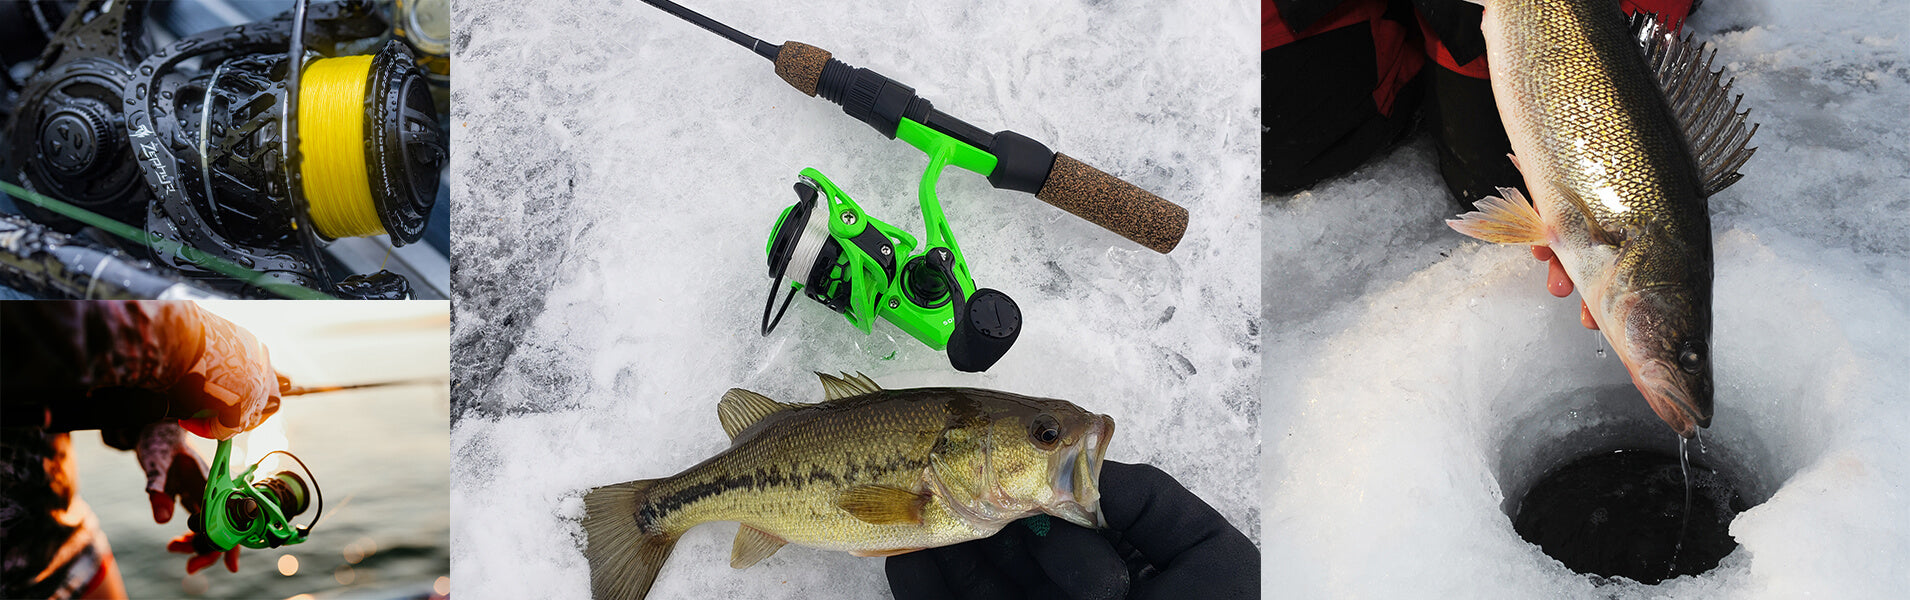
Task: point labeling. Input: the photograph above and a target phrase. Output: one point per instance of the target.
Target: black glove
(1162, 541)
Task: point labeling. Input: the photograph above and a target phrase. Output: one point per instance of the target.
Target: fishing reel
(255, 513)
(256, 145)
(863, 268)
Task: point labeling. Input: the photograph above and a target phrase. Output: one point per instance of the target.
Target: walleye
(1620, 149)
(868, 471)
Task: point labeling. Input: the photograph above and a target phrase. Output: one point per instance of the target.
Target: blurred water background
(380, 457)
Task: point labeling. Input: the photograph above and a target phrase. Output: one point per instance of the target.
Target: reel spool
(203, 123)
(241, 511)
(841, 257)
(366, 120)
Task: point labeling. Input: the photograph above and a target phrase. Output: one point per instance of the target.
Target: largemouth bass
(1621, 132)
(868, 471)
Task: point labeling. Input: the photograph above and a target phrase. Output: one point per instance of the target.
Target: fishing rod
(864, 268)
(303, 390)
(40, 261)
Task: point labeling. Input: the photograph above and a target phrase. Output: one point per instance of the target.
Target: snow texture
(1417, 381)
(618, 171)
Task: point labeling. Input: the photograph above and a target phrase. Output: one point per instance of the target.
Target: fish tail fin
(1507, 220)
(625, 553)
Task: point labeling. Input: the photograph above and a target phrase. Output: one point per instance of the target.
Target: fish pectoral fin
(752, 546)
(881, 553)
(742, 408)
(1598, 232)
(883, 505)
(846, 386)
(1503, 220)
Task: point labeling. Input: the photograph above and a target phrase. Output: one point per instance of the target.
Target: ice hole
(1596, 483)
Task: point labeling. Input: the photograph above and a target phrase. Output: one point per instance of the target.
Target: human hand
(1162, 541)
(175, 471)
(231, 387)
(124, 364)
(1560, 283)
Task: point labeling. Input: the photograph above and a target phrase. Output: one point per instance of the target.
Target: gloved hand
(174, 472)
(1560, 283)
(230, 385)
(117, 364)
(1162, 541)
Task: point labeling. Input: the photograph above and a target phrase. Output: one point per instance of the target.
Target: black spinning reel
(255, 145)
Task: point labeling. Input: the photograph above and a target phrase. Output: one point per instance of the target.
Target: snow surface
(618, 171)
(1417, 381)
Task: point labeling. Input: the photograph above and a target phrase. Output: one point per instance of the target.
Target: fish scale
(796, 470)
(1619, 194)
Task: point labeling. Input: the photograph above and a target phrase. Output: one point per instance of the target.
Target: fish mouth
(1671, 401)
(1077, 483)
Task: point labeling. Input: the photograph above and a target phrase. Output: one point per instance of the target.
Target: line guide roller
(864, 268)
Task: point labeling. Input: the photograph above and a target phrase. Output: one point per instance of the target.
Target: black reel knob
(985, 328)
(74, 140)
(986, 323)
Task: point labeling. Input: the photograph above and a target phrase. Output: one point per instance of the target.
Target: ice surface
(618, 172)
(1418, 380)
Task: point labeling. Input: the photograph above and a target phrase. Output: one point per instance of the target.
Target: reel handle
(986, 324)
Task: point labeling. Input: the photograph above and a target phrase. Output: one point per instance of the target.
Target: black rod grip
(1117, 205)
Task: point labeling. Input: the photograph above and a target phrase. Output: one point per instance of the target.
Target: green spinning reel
(857, 265)
(255, 513)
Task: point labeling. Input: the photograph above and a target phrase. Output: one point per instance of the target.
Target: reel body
(190, 141)
(828, 247)
(241, 511)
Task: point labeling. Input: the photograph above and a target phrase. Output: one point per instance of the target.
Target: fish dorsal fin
(883, 505)
(742, 408)
(752, 546)
(1504, 219)
(836, 388)
(1713, 128)
(1598, 232)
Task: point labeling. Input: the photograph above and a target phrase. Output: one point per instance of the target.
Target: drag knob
(71, 140)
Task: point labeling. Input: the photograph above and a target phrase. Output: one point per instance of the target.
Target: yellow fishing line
(331, 125)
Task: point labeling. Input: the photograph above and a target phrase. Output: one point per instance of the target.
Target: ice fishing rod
(864, 268)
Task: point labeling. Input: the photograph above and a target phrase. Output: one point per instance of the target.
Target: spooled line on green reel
(255, 513)
(857, 265)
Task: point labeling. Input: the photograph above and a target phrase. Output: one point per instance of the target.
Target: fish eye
(1045, 431)
(1691, 357)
